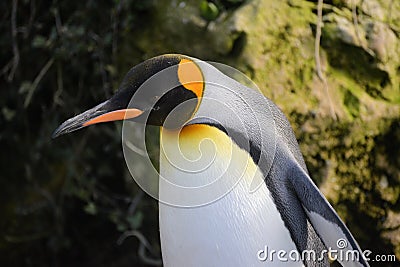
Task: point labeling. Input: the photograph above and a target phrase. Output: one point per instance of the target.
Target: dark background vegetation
(72, 202)
(66, 202)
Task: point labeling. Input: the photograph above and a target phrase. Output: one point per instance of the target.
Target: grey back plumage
(257, 125)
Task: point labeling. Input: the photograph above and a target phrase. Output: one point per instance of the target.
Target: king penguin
(234, 189)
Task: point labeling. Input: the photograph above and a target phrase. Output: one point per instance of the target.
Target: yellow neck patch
(190, 76)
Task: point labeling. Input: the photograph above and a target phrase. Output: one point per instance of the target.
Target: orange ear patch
(190, 76)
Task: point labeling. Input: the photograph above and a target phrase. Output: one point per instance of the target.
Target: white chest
(232, 225)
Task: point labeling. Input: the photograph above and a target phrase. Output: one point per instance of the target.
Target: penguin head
(168, 86)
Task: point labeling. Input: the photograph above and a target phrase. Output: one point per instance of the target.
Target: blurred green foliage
(208, 10)
(66, 202)
(211, 9)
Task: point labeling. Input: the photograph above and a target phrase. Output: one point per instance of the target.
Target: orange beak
(98, 114)
(115, 115)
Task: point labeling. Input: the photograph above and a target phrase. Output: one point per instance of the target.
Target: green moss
(352, 103)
